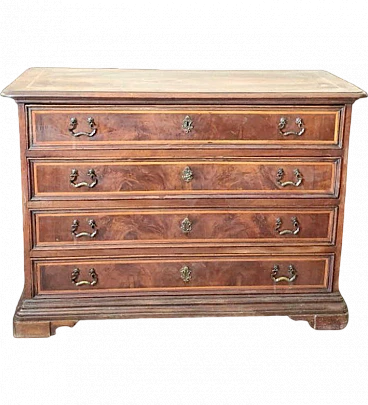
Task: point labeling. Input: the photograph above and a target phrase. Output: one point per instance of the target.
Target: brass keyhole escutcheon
(187, 124)
(186, 274)
(186, 225)
(187, 174)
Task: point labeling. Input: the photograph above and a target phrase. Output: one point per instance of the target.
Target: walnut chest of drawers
(181, 193)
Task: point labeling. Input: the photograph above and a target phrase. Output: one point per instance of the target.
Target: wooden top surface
(100, 83)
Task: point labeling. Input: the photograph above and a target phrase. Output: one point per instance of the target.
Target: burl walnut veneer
(181, 193)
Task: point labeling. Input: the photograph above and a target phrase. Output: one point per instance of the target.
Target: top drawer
(81, 127)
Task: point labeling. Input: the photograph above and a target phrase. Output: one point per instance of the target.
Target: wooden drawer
(253, 273)
(254, 178)
(124, 127)
(184, 227)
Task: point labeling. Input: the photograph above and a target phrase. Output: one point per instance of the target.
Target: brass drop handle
(75, 276)
(74, 123)
(186, 225)
(280, 175)
(74, 175)
(91, 223)
(186, 274)
(299, 122)
(292, 274)
(187, 174)
(187, 124)
(295, 223)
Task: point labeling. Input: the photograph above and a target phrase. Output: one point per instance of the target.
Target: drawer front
(104, 127)
(277, 274)
(185, 227)
(96, 180)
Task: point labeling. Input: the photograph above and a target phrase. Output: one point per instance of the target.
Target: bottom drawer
(254, 273)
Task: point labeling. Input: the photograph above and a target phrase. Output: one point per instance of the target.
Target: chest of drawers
(181, 193)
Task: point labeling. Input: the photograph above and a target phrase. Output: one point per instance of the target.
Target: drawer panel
(100, 180)
(278, 274)
(184, 227)
(125, 127)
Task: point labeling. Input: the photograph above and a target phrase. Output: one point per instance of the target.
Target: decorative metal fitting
(298, 122)
(187, 124)
(76, 273)
(74, 175)
(292, 274)
(186, 225)
(280, 174)
(91, 223)
(295, 223)
(187, 174)
(73, 125)
(186, 274)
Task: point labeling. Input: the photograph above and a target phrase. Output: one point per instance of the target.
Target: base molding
(41, 316)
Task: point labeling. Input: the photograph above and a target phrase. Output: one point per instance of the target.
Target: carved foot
(324, 322)
(34, 329)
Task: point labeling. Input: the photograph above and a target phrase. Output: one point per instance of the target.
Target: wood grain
(49, 126)
(185, 202)
(117, 179)
(156, 250)
(340, 220)
(139, 152)
(26, 196)
(39, 329)
(119, 227)
(250, 273)
(69, 83)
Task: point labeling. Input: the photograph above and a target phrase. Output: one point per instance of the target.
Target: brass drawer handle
(74, 175)
(186, 274)
(186, 225)
(280, 176)
(298, 122)
(295, 223)
(76, 273)
(187, 174)
(91, 223)
(73, 125)
(187, 124)
(292, 274)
